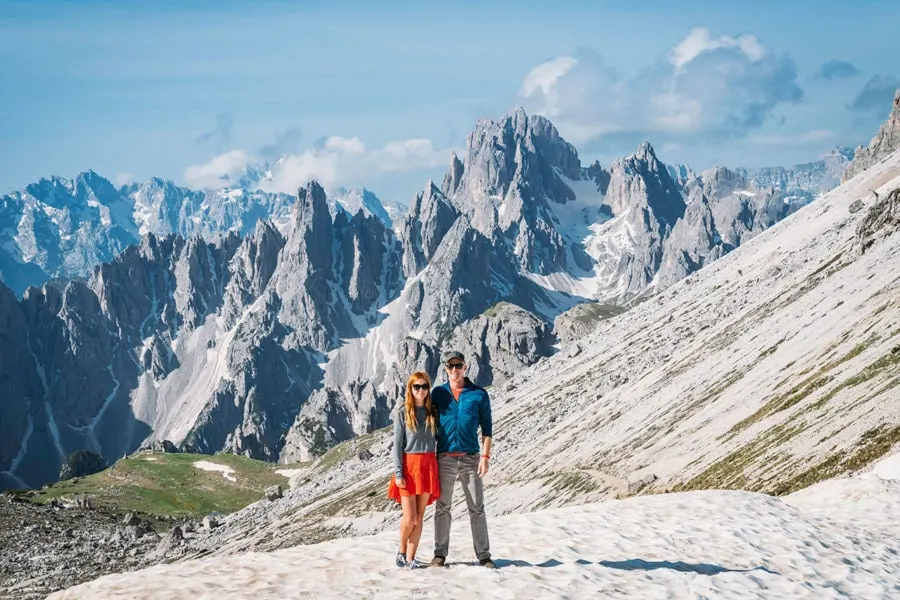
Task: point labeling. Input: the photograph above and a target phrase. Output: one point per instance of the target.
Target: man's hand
(482, 467)
(401, 483)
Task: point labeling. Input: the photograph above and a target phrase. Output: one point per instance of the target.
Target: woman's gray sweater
(420, 441)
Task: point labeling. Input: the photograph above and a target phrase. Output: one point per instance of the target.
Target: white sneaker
(400, 561)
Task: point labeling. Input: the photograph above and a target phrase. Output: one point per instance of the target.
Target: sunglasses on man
(452, 366)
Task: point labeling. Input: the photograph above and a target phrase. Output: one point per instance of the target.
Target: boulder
(639, 483)
(273, 493)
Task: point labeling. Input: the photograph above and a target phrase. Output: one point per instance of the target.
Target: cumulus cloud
(837, 69)
(705, 87)
(342, 145)
(338, 160)
(332, 161)
(219, 172)
(698, 42)
(877, 94)
(220, 135)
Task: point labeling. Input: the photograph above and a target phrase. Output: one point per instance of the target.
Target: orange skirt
(421, 474)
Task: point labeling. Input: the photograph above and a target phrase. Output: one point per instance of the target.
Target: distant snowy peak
(361, 199)
(61, 227)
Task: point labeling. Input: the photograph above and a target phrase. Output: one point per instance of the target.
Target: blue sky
(360, 94)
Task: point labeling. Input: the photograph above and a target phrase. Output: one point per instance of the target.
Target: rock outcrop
(881, 220)
(81, 464)
(885, 142)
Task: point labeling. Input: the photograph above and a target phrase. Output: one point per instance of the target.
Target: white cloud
(219, 172)
(296, 170)
(334, 161)
(340, 144)
(705, 87)
(543, 78)
(409, 155)
(698, 41)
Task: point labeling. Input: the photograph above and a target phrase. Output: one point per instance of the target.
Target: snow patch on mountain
(722, 544)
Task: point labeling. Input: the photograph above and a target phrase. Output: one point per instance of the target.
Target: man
(463, 407)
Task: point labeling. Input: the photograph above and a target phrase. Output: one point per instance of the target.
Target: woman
(415, 483)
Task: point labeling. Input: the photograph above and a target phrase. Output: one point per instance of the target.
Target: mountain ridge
(258, 343)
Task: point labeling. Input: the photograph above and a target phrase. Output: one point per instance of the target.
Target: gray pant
(464, 468)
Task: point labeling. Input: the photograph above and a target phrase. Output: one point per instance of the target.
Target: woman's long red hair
(430, 417)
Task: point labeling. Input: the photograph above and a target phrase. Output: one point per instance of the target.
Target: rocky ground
(47, 548)
(54, 546)
(44, 548)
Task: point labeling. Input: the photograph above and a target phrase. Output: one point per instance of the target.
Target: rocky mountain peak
(886, 141)
(646, 153)
(496, 151)
(310, 241)
(643, 159)
(454, 175)
(720, 181)
(423, 228)
(517, 119)
(642, 180)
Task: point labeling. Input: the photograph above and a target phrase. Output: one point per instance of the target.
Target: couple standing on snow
(436, 444)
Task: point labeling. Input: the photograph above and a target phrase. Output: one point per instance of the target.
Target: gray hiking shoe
(438, 561)
(400, 561)
(487, 563)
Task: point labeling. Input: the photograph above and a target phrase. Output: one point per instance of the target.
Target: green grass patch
(170, 485)
(560, 486)
(730, 471)
(574, 482)
(769, 351)
(873, 444)
(886, 363)
(716, 390)
(783, 401)
(812, 383)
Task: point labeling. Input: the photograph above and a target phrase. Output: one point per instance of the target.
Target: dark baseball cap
(448, 356)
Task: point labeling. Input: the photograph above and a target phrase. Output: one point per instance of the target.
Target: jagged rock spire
(885, 142)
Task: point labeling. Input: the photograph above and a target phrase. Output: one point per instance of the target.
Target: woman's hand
(401, 483)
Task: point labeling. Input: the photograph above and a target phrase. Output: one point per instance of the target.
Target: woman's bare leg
(416, 533)
(407, 522)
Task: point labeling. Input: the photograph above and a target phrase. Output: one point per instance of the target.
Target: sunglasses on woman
(420, 386)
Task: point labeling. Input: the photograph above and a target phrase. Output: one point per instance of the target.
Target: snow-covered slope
(711, 544)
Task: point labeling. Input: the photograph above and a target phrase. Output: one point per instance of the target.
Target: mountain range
(165, 313)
